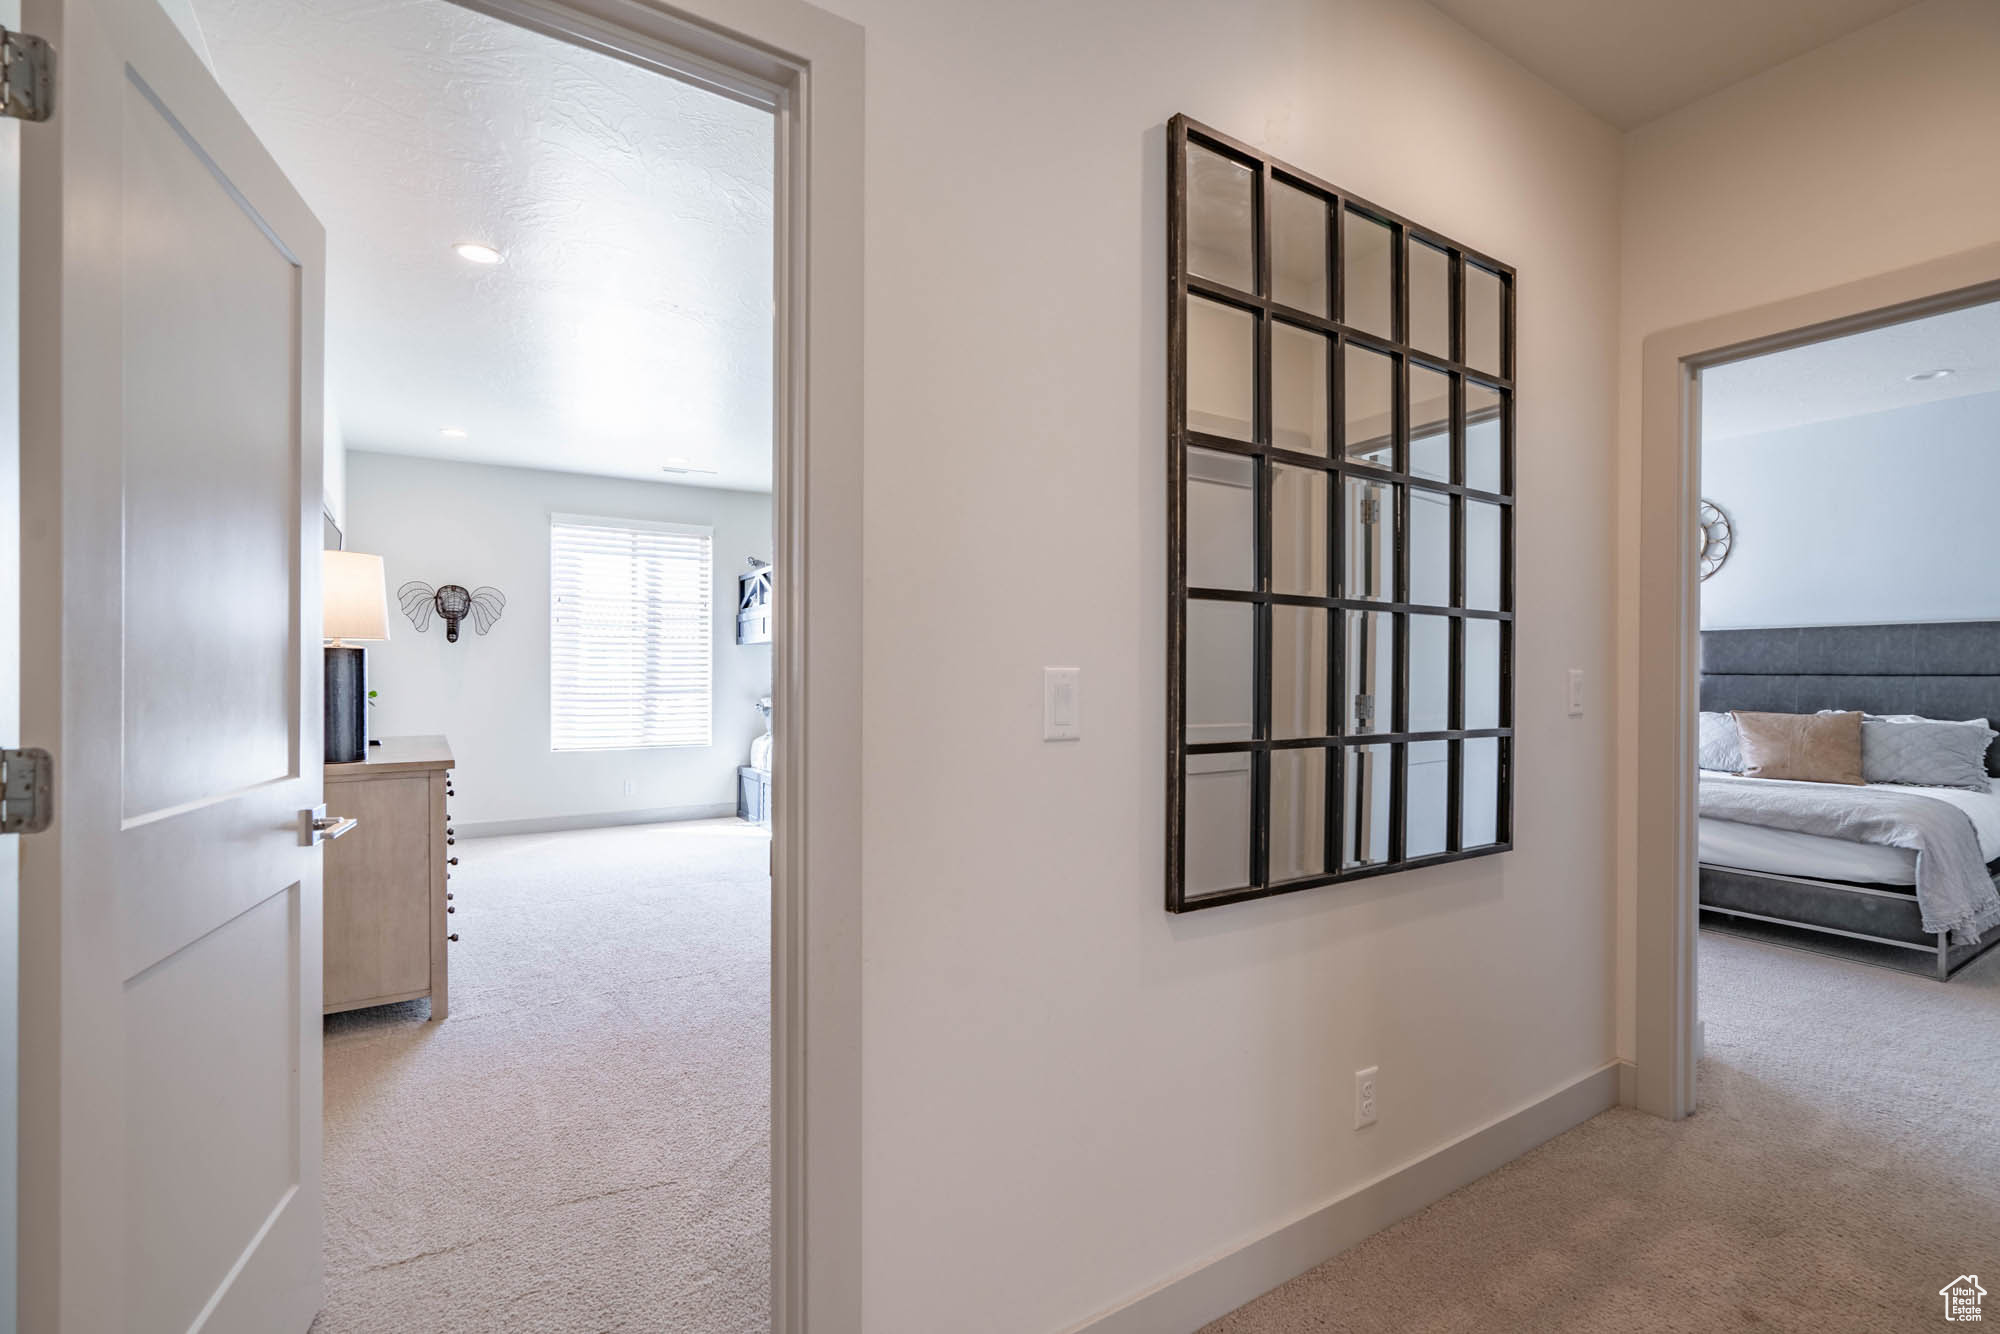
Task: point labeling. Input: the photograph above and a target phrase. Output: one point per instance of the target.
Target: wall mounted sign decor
(452, 603)
(1340, 420)
(753, 603)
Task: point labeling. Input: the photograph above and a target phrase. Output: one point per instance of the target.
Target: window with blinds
(631, 642)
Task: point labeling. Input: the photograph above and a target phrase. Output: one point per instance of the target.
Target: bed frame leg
(1944, 956)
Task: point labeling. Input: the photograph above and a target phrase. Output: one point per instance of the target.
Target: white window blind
(630, 634)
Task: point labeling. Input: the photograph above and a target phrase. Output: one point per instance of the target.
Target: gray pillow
(1926, 752)
(1721, 749)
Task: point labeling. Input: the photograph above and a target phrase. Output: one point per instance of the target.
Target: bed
(1853, 899)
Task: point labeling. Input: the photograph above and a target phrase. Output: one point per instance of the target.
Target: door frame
(1665, 673)
(804, 65)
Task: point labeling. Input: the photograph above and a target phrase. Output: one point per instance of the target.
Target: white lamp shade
(356, 596)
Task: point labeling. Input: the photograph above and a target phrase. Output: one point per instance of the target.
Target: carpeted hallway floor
(1844, 1166)
(584, 1144)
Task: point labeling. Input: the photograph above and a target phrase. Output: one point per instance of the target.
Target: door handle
(316, 826)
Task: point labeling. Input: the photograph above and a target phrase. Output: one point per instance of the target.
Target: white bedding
(1786, 852)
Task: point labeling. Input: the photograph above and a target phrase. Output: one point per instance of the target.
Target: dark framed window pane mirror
(1340, 410)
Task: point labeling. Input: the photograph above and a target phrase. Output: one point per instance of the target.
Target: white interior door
(170, 1028)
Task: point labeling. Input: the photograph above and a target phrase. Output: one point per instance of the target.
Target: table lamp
(356, 606)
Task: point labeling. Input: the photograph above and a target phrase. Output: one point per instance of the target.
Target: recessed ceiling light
(477, 252)
(1937, 374)
(453, 433)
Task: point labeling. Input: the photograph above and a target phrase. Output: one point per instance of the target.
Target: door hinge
(27, 791)
(27, 76)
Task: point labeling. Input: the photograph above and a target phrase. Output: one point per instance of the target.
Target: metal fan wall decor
(451, 603)
(1713, 534)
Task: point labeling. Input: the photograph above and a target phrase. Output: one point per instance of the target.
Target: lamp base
(346, 704)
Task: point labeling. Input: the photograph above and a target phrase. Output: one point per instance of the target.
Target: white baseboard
(1219, 1286)
(551, 824)
(1628, 1084)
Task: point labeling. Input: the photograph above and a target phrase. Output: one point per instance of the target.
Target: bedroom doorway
(1665, 686)
(1846, 804)
(1848, 817)
(550, 402)
(811, 527)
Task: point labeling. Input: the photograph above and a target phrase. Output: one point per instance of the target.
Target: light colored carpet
(1844, 1166)
(584, 1144)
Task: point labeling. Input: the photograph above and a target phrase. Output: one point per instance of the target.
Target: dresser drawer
(379, 906)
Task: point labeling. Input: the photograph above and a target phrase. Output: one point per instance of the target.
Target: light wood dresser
(388, 906)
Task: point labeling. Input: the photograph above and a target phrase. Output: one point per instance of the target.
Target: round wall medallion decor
(1713, 535)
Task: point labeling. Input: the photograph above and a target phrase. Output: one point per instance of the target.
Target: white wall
(1867, 520)
(333, 494)
(1070, 1096)
(1867, 155)
(184, 17)
(471, 524)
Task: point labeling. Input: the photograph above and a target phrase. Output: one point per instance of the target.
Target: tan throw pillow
(1803, 747)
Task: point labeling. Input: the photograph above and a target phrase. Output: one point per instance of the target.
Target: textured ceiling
(1632, 60)
(1851, 376)
(631, 322)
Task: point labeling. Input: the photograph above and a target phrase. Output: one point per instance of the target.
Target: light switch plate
(1062, 688)
(1573, 692)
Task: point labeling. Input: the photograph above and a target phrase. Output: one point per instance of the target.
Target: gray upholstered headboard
(1947, 669)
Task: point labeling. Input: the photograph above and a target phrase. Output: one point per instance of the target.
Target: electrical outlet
(1365, 1110)
(631, 787)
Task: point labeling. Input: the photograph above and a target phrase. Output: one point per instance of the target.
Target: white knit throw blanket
(1954, 888)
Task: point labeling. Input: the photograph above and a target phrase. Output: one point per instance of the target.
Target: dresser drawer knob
(452, 861)
(449, 908)
(453, 937)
